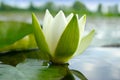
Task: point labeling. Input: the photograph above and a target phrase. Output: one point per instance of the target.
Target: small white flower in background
(61, 37)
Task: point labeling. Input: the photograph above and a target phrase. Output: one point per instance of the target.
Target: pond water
(98, 63)
(107, 30)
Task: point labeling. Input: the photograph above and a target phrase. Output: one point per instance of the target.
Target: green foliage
(12, 31)
(113, 11)
(77, 7)
(50, 6)
(79, 74)
(15, 57)
(31, 7)
(99, 8)
(32, 69)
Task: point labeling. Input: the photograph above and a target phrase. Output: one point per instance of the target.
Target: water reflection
(29, 64)
(99, 63)
(107, 30)
(15, 57)
(32, 69)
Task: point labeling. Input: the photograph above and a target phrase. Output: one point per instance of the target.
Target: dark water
(94, 64)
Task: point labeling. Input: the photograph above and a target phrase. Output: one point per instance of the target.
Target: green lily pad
(15, 57)
(12, 31)
(33, 70)
(79, 74)
(27, 65)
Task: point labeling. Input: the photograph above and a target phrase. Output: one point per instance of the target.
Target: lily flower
(61, 37)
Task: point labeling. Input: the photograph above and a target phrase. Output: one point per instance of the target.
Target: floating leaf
(30, 67)
(32, 70)
(8, 72)
(11, 31)
(27, 42)
(78, 74)
(15, 57)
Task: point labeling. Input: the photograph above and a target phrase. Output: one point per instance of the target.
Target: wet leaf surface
(12, 31)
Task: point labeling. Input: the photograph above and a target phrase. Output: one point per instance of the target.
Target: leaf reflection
(27, 65)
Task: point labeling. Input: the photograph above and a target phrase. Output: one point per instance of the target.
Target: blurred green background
(89, 7)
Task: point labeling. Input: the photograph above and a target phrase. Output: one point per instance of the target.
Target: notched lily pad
(33, 69)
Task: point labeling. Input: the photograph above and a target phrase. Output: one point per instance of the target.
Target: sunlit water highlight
(98, 63)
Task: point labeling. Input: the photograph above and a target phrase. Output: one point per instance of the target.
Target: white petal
(85, 42)
(58, 26)
(82, 22)
(47, 27)
(69, 17)
(47, 22)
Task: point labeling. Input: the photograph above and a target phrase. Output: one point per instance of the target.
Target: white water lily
(61, 37)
